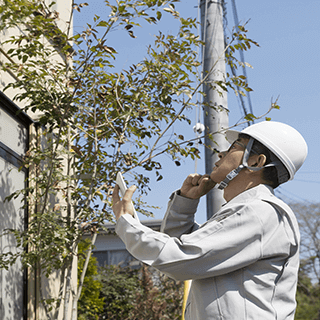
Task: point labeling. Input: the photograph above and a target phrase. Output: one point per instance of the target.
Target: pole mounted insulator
(199, 128)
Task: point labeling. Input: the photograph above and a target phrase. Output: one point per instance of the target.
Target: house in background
(110, 250)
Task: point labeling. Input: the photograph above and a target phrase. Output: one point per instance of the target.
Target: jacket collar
(261, 191)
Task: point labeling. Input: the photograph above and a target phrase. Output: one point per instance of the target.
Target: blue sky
(286, 65)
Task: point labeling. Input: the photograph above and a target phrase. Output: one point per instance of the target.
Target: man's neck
(240, 184)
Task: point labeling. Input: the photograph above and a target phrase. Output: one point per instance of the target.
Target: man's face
(229, 160)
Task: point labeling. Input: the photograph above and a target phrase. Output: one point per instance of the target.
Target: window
(113, 257)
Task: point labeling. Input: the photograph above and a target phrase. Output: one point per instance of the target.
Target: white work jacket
(243, 262)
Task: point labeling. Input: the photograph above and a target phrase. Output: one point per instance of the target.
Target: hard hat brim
(232, 135)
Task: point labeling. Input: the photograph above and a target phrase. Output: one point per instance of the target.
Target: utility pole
(215, 103)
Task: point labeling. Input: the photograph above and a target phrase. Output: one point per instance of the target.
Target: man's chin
(215, 177)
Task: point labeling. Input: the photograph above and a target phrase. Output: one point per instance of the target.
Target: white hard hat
(285, 142)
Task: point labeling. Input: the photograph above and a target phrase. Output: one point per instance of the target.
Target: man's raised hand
(196, 185)
(121, 207)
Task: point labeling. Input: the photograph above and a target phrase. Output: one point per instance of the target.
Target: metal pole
(215, 101)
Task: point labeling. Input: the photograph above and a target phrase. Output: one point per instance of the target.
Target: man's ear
(258, 161)
(261, 160)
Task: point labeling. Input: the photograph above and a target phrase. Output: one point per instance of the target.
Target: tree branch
(185, 104)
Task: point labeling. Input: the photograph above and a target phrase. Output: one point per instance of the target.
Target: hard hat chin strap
(231, 175)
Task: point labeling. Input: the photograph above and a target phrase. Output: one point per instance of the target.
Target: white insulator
(199, 127)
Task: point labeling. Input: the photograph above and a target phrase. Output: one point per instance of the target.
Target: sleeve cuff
(183, 204)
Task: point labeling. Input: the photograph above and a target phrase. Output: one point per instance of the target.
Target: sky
(285, 65)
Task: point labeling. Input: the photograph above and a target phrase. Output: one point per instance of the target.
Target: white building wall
(64, 8)
(11, 216)
(13, 145)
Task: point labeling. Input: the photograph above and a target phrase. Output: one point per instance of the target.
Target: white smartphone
(122, 185)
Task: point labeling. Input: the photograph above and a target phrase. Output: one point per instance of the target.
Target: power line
(308, 181)
(240, 98)
(309, 172)
(236, 21)
(282, 193)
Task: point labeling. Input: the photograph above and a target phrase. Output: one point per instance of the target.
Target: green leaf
(102, 23)
(250, 117)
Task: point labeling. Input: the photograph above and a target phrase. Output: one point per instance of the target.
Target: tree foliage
(139, 294)
(119, 289)
(90, 303)
(94, 121)
(309, 222)
(308, 296)
(308, 292)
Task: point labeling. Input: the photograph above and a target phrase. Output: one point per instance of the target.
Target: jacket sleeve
(179, 217)
(217, 248)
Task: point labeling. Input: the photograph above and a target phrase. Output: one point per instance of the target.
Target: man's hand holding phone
(121, 207)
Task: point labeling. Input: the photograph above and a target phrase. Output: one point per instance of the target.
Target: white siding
(11, 216)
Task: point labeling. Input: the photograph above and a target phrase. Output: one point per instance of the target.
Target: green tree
(309, 222)
(120, 287)
(90, 304)
(158, 302)
(94, 120)
(308, 296)
(139, 294)
(308, 293)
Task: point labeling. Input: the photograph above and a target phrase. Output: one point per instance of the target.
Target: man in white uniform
(243, 262)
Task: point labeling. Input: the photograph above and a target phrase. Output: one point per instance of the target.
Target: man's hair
(269, 174)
